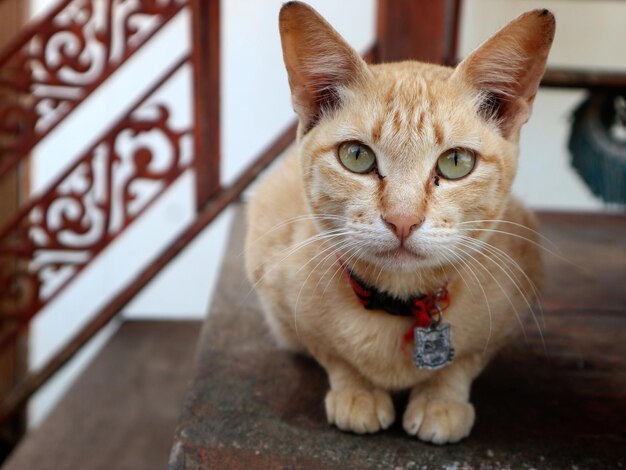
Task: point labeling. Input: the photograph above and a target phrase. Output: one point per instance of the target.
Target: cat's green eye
(357, 157)
(456, 163)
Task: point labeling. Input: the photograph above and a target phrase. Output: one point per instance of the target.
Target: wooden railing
(46, 73)
(38, 91)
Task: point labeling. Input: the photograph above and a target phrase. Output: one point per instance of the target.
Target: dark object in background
(598, 145)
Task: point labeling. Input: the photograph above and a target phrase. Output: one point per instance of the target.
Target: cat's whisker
(509, 222)
(292, 220)
(340, 268)
(482, 247)
(507, 258)
(503, 254)
(533, 242)
(535, 290)
(298, 246)
(320, 237)
(290, 250)
(347, 249)
(522, 293)
(488, 251)
(508, 298)
(345, 245)
(380, 272)
(480, 284)
(315, 238)
(451, 262)
(328, 252)
(334, 249)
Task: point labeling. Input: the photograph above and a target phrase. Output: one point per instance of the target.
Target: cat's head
(396, 157)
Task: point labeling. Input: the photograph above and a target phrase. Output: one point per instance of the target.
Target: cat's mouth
(401, 253)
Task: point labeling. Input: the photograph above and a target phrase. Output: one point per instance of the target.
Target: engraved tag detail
(433, 346)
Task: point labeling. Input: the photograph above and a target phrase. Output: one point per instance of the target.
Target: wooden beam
(13, 189)
(206, 59)
(592, 79)
(417, 30)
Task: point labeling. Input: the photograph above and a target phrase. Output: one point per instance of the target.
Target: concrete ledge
(252, 406)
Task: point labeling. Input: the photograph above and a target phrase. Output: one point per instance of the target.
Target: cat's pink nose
(401, 224)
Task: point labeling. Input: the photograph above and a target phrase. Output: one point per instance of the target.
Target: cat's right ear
(507, 68)
(319, 62)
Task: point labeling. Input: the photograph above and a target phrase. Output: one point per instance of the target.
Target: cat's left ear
(505, 71)
(319, 62)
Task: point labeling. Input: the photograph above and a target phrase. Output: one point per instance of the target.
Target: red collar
(423, 307)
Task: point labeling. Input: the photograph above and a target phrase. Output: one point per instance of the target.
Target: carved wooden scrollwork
(56, 236)
(63, 58)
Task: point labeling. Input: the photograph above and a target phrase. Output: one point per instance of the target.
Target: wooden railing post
(14, 358)
(206, 55)
(424, 30)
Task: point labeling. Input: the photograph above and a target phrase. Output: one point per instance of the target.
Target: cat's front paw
(438, 421)
(359, 410)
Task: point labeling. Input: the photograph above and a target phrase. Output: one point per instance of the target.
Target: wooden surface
(13, 186)
(206, 57)
(253, 406)
(121, 413)
(424, 31)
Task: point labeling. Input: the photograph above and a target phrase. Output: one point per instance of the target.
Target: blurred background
(255, 107)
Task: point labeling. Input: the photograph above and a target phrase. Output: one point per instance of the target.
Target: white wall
(256, 106)
(589, 34)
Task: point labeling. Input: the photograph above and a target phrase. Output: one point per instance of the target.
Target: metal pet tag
(433, 346)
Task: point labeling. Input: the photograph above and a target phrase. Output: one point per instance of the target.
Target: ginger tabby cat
(399, 186)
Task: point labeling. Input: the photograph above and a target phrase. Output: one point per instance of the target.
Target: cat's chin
(400, 259)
